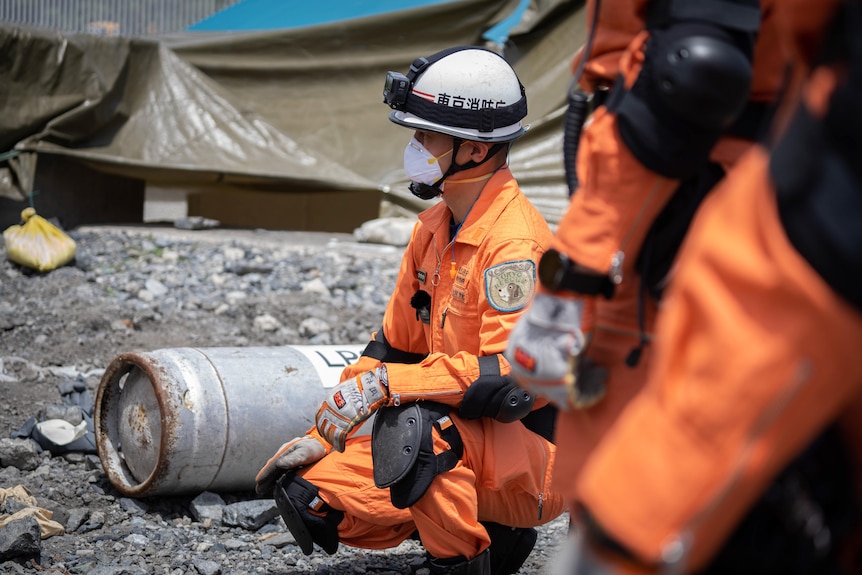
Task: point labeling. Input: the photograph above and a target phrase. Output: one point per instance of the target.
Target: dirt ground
(147, 288)
(74, 320)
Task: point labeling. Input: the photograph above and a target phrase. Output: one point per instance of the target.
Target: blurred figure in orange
(739, 454)
(678, 94)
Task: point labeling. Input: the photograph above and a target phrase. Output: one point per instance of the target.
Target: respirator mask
(423, 169)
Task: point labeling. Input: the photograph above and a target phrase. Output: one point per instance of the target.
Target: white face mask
(420, 165)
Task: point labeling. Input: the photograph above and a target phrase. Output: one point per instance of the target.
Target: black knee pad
(403, 452)
(309, 519)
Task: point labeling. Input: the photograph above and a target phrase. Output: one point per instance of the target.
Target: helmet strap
(429, 192)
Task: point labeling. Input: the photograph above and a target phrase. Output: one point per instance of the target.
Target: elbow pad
(695, 81)
(516, 404)
(704, 79)
(496, 396)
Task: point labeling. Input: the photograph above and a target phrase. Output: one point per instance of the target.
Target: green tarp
(287, 110)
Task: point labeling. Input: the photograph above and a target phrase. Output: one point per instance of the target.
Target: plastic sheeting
(136, 108)
(285, 14)
(274, 110)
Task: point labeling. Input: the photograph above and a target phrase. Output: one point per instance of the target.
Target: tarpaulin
(275, 110)
(134, 107)
(287, 14)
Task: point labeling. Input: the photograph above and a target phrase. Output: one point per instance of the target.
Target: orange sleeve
(616, 203)
(444, 377)
(619, 21)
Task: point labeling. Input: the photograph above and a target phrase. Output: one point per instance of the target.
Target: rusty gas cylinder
(186, 420)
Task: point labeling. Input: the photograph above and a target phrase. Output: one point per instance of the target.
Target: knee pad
(402, 448)
(308, 518)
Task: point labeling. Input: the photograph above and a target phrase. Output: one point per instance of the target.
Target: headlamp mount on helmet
(398, 86)
(395, 90)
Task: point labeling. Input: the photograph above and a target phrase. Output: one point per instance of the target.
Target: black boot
(295, 497)
(510, 547)
(479, 565)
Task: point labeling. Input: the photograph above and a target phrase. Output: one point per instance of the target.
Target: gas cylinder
(187, 420)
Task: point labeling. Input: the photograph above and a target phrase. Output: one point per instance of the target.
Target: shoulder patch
(510, 285)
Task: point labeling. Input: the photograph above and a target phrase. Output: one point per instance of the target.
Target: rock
(279, 540)
(316, 286)
(77, 516)
(117, 570)
(70, 413)
(96, 520)
(13, 506)
(233, 253)
(208, 505)
(137, 540)
(207, 567)
(250, 514)
(155, 287)
(313, 326)
(218, 282)
(395, 231)
(133, 506)
(196, 223)
(266, 322)
(20, 538)
(22, 453)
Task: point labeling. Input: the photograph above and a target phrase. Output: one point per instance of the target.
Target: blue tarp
(256, 15)
(286, 14)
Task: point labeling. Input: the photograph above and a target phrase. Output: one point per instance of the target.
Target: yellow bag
(37, 243)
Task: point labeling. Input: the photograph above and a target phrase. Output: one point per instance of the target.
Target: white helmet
(466, 92)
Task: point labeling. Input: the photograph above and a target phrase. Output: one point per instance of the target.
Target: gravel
(147, 288)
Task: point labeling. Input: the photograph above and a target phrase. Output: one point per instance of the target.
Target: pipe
(186, 420)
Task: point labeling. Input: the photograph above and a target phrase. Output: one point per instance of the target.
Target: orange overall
(754, 355)
(611, 212)
(478, 286)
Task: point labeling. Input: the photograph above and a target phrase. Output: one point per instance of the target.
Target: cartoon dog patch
(510, 285)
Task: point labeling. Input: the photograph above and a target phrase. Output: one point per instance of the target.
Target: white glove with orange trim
(350, 403)
(298, 452)
(545, 350)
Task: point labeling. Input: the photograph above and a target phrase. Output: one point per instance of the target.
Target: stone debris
(206, 288)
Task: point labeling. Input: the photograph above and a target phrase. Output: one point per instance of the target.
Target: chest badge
(510, 285)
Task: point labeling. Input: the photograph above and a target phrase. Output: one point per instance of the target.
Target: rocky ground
(146, 288)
